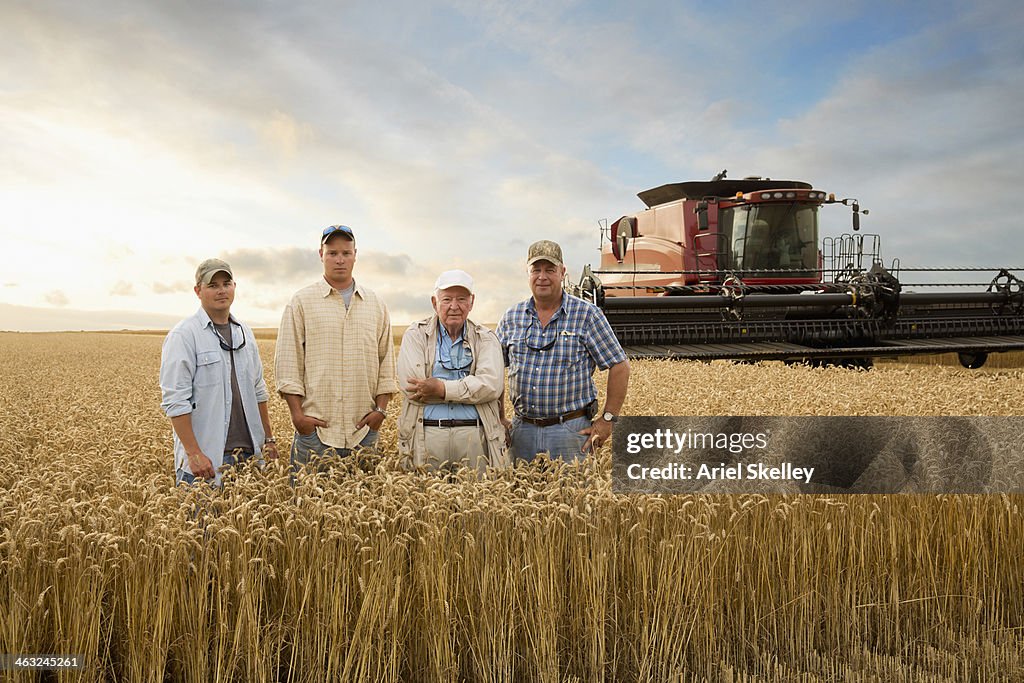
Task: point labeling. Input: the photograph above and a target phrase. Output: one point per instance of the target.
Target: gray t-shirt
(346, 294)
(238, 428)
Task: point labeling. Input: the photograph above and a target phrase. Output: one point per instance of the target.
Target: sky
(141, 137)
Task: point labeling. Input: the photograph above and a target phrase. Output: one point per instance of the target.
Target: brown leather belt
(451, 423)
(548, 421)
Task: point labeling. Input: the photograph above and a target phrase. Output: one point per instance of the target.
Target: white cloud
(284, 134)
(122, 288)
(172, 288)
(56, 298)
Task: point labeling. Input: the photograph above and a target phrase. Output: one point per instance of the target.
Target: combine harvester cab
(734, 269)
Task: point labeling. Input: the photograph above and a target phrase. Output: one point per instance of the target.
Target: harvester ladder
(709, 274)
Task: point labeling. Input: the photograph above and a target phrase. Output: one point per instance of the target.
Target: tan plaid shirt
(338, 360)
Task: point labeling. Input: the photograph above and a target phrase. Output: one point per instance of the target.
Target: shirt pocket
(209, 369)
(568, 350)
(515, 350)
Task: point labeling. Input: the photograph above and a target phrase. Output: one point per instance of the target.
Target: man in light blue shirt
(211, 380)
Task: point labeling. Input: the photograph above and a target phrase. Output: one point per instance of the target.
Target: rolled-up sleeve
(601, 342)
(177, 369)
(486, 382)
(502, 334)
(289, 355)
(387, 382)
(260, 384)
(408, 353)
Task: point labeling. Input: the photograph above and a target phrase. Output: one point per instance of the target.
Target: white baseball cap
(454, 278)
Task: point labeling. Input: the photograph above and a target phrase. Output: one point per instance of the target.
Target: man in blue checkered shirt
(552, 343)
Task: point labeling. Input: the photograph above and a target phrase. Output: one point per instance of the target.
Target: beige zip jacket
(482, 387)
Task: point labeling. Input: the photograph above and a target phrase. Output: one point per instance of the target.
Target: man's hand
(600, 431)
(507, 424)
(374, 419)
(270, 450)
(305, 425)
(422, 390)
(200, 465)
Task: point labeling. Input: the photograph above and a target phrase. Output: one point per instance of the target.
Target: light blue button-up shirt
(452, 360)
(195, 377)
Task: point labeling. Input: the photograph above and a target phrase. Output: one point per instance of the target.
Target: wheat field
(537, 574)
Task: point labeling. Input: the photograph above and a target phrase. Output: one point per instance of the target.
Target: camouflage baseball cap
(544, 250)
(210, 267)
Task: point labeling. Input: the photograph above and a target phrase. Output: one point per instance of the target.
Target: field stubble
(365, 573)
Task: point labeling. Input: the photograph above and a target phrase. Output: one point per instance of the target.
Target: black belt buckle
(448, 424)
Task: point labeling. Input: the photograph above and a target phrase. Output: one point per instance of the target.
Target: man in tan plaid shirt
(335, 363)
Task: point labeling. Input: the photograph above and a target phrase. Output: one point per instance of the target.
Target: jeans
(561, 441)
(304, 446)
(183, 477)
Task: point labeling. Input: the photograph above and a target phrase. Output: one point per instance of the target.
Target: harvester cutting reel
(875, 294)
(1010, 285)
(735, 290)
(871, 295)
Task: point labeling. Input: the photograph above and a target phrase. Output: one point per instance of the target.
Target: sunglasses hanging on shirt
(226, 346)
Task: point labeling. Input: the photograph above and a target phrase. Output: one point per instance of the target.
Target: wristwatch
(377, 409)
(609, 417)
(270, 439)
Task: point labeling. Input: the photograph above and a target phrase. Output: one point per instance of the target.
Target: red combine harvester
(732, 269)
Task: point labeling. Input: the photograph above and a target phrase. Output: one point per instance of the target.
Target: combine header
(732, 269)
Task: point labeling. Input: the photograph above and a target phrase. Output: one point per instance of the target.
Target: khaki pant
(456, 445)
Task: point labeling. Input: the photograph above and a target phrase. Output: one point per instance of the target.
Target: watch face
(609, 417)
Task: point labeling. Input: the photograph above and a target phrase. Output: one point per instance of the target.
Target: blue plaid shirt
(550, 369)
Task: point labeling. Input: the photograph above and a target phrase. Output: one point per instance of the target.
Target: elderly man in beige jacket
(451, 371)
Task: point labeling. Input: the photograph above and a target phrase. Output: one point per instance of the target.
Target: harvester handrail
(717, 272)
(970, 269)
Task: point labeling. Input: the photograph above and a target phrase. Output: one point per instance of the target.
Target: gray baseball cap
(210, 267)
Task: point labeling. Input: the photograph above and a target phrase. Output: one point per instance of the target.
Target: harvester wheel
(972, 361)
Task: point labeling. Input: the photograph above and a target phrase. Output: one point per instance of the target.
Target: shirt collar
(204, 318)
(324, 288)
(444, 333)
(531, 306)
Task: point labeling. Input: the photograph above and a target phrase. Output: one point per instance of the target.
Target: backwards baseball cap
(210, 267)
(454, 278)
(544, 250)
(332, 230)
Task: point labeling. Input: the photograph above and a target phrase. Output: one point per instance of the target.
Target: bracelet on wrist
(270, 439)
